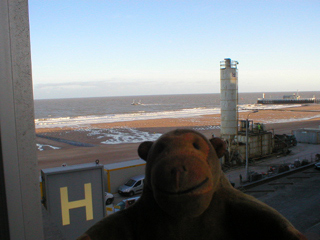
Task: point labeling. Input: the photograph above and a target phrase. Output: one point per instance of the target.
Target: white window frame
(17, 123)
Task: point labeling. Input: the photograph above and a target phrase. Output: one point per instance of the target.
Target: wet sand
(280, 121)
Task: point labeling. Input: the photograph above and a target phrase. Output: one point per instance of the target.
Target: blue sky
(90, 48)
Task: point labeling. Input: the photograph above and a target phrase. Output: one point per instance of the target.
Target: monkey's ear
(219, 145)
(143, 149)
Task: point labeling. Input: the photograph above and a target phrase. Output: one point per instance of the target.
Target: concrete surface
(297, 198)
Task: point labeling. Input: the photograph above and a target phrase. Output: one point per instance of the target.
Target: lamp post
(247, 155)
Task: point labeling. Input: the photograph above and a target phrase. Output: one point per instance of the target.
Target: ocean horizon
(84, 111)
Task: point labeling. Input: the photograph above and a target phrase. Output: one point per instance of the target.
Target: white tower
(229, 99)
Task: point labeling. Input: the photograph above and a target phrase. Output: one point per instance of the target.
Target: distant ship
(287, 99)
(136, 103)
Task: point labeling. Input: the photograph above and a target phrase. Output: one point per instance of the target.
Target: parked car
(304, 162)
(124, 204)
(297, 163)
(272, 169)
(317, 166)
(283, 168)
(108, 198)
(133, 186)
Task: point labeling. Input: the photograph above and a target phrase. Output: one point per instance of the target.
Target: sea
(66, 112)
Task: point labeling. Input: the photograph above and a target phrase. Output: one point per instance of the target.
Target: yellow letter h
(66, 205)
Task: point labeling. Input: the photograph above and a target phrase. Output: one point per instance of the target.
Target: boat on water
(287, 99)
(136, 103)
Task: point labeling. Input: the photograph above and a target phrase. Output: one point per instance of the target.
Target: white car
(108, 198)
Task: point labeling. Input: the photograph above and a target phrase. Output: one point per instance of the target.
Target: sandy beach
(118, 141)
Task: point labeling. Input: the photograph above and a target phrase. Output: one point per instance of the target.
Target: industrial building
(260, 142)
(308, 135)
(254, 142)
(250, 140)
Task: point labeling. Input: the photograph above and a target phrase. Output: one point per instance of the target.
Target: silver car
(133, 186)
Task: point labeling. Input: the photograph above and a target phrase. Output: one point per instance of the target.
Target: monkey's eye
(196, 146)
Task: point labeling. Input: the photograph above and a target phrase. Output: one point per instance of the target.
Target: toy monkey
(187, 196)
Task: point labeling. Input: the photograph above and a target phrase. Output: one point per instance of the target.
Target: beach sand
(113, 150)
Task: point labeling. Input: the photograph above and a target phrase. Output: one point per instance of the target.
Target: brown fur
(187, 196)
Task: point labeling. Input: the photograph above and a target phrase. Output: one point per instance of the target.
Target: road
(297, 198)
(301, 151)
